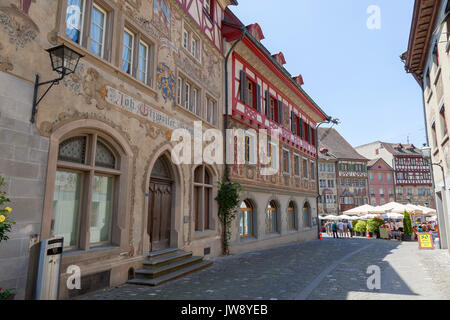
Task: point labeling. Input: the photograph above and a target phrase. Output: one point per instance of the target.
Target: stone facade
(428, 60)
(130, 104)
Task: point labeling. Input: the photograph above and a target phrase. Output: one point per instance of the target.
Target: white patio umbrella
(369, 216)
(365, 209)
(427, 210)
(331, 217)
(395, 207)
(432, 218)
(345, 217)
(392, 215)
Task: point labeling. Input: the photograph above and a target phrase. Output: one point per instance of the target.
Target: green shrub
(407, 227)
(374, 224)
(361, 226)
(354, 223)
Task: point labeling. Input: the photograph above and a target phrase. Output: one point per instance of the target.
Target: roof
(330, 139)
(398, 149)
(421, 34)
(373, 162)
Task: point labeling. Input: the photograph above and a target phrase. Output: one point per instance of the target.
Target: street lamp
(64, 61)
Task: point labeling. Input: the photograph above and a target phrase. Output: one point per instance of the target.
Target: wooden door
(160, 211)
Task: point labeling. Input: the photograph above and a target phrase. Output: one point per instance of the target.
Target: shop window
(246, 219)
(84, 191)
(203, 188)
(272, 223)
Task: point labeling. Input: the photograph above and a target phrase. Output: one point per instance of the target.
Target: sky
(352, 72)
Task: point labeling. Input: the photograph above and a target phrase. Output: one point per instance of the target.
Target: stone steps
(166, 265)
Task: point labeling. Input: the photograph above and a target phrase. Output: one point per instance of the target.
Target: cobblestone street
(325, 269)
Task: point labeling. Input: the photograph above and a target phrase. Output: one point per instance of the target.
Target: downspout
(225, 127)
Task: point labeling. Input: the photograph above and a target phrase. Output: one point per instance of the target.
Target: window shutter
(280, 112)
(301, 128)
(293, 122)
(258, 98)
(267, 104)
(243, 95)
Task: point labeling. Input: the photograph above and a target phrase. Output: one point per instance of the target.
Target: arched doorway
(160, 205)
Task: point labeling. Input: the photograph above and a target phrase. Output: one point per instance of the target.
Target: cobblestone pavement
(321, 269)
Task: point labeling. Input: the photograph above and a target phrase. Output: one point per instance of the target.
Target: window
(179, 91)
(191, 42)
(371, 176)
(77, 173)
(410, 191)
(434, 135)
(305, 168)
(443, 123)
(127, 51)
(97, 35)
(272, 225)
(331, 168)
(391, 192)
(143, 63)
(251, 93)
(272, 152)
(187, 97)
(372, 191)
(273, 109)
(380, 177)
(292, 216)
(203, 188)
(246, 219)
(389, 177)
(211, 111)
(296, 165)
(307, 223)
(382, 192)
(330, 183)
(286, 161)
(322, 183)
(313, 170)
(209, 8)
(75, 20)
(250, 149)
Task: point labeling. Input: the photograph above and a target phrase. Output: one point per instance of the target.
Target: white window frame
(94, 5)
(252, 147)
(147, 48)
(82, 14)
(185, 39)
(132, 50)
(187, 96)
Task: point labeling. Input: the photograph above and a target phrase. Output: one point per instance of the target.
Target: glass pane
(241, 224)
(100, 229)
(104, 157)
(127, 51)
(97, 29)
(66, 206)
(73, 150)
(160, 169)
(142, 63)
(74, 19)
(198, 175)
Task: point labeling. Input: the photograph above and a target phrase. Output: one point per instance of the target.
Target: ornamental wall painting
(161, 15)
(165, 80)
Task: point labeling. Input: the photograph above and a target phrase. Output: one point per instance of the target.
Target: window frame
(126, 30)
(249, 209)
(105, 22)
(203, 219)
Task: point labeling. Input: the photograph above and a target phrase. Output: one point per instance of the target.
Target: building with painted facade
(328, 201)
(96, 167)
(277, 208)
(381, 182)
(351, 170)
(428, 61)
(412, 175)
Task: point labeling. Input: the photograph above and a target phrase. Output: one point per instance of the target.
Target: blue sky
(354, 73)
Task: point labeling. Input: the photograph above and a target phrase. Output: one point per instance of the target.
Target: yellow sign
(426, 241)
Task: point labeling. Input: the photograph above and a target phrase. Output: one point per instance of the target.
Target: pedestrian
(350, 228)
(334, 228)
(329, 231)
(341, 228)
(345, 226)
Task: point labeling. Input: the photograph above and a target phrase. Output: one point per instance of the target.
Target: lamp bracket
(37, 84)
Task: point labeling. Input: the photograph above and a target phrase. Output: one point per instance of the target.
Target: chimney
(279, 57)
(299, 80)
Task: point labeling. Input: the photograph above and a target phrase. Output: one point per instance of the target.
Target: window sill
(204, 234)
(80, 255)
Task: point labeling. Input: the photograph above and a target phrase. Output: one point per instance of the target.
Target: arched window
(307, 223)
(203, 190)
(246, 219)
(85, 183)
(272, 223)
(292, 216)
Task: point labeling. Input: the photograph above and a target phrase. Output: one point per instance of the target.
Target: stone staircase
(166, 265)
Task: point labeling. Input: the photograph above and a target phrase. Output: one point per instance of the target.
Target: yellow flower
(2, 218)
(8, 209)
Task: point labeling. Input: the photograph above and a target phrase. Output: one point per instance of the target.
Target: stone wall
(23, 163)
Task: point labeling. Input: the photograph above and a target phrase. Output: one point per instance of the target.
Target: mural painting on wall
(161, 15)
(165, 79)
(19, 26)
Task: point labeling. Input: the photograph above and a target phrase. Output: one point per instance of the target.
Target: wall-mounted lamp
(64, 61)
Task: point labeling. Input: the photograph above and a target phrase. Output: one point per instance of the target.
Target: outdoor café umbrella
(365, 209)
(331, 217)
(392, 215)
(369, 216)
(345, 217)
(427, 210)
(432, 218)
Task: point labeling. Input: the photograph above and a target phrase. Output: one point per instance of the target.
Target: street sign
(426, 241)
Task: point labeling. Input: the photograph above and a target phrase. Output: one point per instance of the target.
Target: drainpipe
(227, 174)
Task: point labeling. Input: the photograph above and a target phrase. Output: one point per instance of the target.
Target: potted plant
(6, 224)
(407, 227)
(361, 227)
(374, 226)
